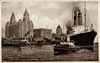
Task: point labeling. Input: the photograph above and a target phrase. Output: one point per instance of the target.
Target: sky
(49, 14)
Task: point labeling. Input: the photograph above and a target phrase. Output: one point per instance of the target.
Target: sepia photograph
(49, 31)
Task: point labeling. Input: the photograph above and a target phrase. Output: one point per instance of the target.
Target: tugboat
(64, 48)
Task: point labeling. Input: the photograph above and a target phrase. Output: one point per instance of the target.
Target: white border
(55, 61)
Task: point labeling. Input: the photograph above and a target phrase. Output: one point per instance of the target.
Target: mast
(85, 14)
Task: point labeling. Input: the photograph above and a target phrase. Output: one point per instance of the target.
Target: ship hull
(84, 39)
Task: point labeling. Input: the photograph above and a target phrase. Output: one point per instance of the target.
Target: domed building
(60, 36)
(59, 30)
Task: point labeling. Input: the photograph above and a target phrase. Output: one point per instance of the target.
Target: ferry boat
(64, 47)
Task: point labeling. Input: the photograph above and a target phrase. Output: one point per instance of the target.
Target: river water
(44, 53)
(37, 52)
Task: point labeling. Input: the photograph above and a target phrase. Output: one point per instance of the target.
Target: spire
(26, 15)
(12, 19)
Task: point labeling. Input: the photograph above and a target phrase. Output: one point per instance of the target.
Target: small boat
(63, 48)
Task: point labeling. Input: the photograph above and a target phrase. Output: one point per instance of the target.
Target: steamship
(82, 36)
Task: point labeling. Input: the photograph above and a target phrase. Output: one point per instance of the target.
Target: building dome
(59, 30)
(58, 26)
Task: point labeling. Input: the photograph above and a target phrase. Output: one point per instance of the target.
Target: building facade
(42, 33)
(25, 26)
(21, 29)
(11, 27)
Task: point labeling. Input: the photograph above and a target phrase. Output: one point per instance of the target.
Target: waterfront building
(59, 35)
(11, 27)
(25, 26)
(21, 29)
(58, 32)
(3, 33)
(42, 33)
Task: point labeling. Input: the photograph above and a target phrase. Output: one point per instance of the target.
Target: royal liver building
(21, 29)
